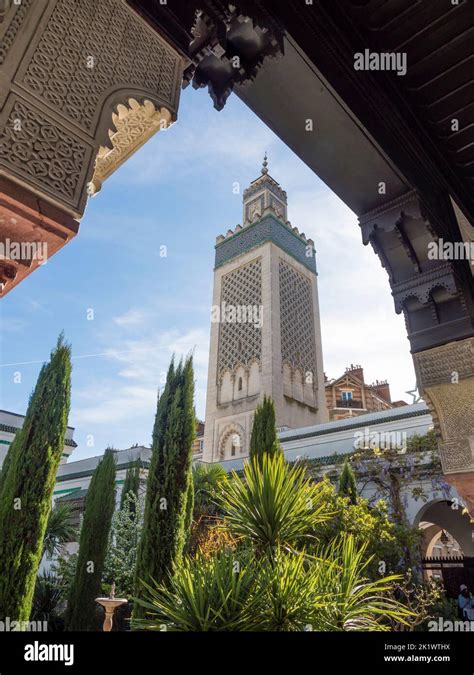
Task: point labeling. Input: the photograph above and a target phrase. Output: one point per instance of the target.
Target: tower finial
(265, 164)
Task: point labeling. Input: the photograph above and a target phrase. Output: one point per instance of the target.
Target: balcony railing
(349, 403)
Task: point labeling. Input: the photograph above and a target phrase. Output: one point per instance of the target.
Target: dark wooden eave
(410, 116)
(383, 142)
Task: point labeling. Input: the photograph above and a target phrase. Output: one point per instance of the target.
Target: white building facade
(11, 423)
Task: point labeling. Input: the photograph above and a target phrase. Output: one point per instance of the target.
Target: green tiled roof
(13, 430)
(363, 421)
(268, 228)
(70, 495)
(89, 472)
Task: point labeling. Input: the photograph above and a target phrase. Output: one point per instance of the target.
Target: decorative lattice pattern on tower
(298, 347)
(240, 342)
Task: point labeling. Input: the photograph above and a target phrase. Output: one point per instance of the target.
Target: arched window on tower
(240, 384)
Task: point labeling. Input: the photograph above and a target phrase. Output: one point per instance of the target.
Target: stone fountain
(110, 604)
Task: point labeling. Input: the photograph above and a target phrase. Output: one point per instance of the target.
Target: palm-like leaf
(353, 602)
(274, 504)
(206, 480)
(288, 591)
(274, 508)
(47, 597)
(216, 594)
(59, 530)
(291, 593)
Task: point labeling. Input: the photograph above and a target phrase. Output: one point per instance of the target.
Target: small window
(232, 450)
(347, 395)
(240, 384)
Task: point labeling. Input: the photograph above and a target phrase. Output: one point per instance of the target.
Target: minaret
(265, 326)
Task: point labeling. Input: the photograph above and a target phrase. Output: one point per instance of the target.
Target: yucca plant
(234, 591)
(291, 593)
(47, 597)
(205, 594)
(353, 602)
(273, 505)
(273, 579)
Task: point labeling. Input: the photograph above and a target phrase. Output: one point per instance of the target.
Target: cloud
(133, 317)
(137, 369)
(217, 141)
(12, 325)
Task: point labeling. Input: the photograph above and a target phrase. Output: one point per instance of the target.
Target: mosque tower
(265, 325)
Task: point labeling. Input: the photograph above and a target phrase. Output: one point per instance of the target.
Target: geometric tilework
(268, 228)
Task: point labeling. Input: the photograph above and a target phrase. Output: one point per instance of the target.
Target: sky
(135, 285)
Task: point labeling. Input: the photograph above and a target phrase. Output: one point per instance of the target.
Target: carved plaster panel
(445, 378)
(134, 125)
(77, 63)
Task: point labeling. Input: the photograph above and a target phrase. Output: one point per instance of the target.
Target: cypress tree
(131, 483)
(347, 483)
(27, 483)
(93, 543)
(188, 519)
(167, 502)
(264, 436)
(8, 458)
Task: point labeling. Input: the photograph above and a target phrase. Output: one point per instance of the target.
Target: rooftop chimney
(382, 389)
(357, 371)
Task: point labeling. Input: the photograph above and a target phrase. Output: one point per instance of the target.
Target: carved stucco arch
(132, 124)
(246, 366)
(120, 95)
(231, 429)
(445, 377)
(253, 360)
